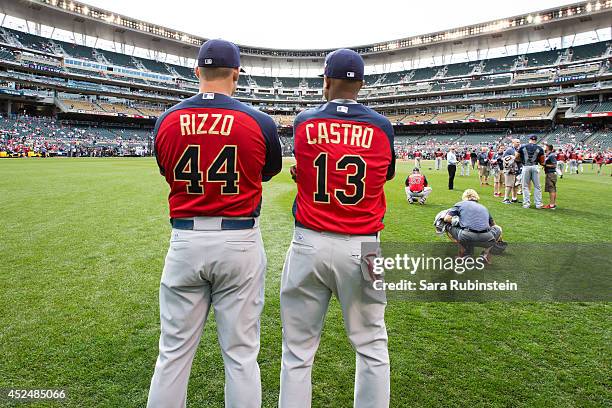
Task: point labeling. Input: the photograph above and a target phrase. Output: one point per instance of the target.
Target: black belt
(226, 223)
(477, 232)
(299, 224)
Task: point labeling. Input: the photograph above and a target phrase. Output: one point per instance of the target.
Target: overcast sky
(318, 23)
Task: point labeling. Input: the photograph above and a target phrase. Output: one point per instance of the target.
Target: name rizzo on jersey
(214, 152)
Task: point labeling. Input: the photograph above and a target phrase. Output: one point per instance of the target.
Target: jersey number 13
(356, 167)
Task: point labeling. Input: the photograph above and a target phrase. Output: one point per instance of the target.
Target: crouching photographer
(471, 225)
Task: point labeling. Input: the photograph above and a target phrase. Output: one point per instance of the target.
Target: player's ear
(236, 74)
(196, 71)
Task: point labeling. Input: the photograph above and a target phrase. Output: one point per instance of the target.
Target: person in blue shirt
(531, 155)
(471, 225)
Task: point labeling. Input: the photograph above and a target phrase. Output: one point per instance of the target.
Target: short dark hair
(214, 73)
(550, 147)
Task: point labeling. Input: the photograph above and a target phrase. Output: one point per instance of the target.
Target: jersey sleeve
(156, 138)
(274, 159)
(388, 129)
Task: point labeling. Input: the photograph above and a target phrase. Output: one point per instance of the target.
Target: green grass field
(82, 247)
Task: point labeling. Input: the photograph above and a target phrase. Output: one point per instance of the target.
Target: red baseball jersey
(416, 182)
(344, 154)
(214, 152)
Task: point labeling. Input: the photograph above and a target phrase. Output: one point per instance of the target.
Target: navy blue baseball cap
(219, 53)
(344, 64)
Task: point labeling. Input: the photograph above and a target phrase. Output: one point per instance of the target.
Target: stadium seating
(85, 72)
(567, 135)
(371, 79)
(586, 107)
(487, 82)
(31, 41)
(604, 107)
(502, 64)
(154, 66)
(117, 58)
(493, 113)
(450, 116)
(77, 51)
(588, 51)
(532, 76)
(283, 120)
(118, 108)
(464, 68)
(418, 117)
(185, 72)
(290, 82)
(447, 86)
(529, 112)
(316, 83)
(395, 77)
(263, 82)
(81, 105)
(539, 59)
(6, 54)
(602, 139)
(150, 111)
(424, 73)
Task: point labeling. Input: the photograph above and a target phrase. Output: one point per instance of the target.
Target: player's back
(214, 152)
(344, 153)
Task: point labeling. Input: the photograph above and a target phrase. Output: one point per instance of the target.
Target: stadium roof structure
(540, 25)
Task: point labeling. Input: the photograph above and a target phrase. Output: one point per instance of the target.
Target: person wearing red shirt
(417, 158)
(214, 153)
(561, 162)
(439, 155)
(573, 162)
(417, 187)
(344, 155)
(599, 160)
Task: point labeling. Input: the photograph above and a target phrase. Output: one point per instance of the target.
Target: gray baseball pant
(532, 174)
(219, 268)
(319, 264)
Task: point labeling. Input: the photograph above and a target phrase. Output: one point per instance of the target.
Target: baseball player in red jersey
(214, 152)
(417, 158)
(344, 154)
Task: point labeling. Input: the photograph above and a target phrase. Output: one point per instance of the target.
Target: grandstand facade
(544, 71)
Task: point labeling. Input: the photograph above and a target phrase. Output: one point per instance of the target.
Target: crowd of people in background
(511, 167)
(25, 136)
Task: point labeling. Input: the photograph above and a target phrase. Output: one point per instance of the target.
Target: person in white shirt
(451, 159)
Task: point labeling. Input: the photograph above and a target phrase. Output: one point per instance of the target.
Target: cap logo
(208, 61)
(343, 109)
(350, 74)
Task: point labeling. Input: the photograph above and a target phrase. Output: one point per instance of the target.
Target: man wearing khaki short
(484, 166)
(550, 169)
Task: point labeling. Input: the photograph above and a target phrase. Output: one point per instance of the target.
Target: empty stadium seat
(543, 58)
(502, 64)
(464, 68)
(424, 73)
(154, 66)
(589, 51)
